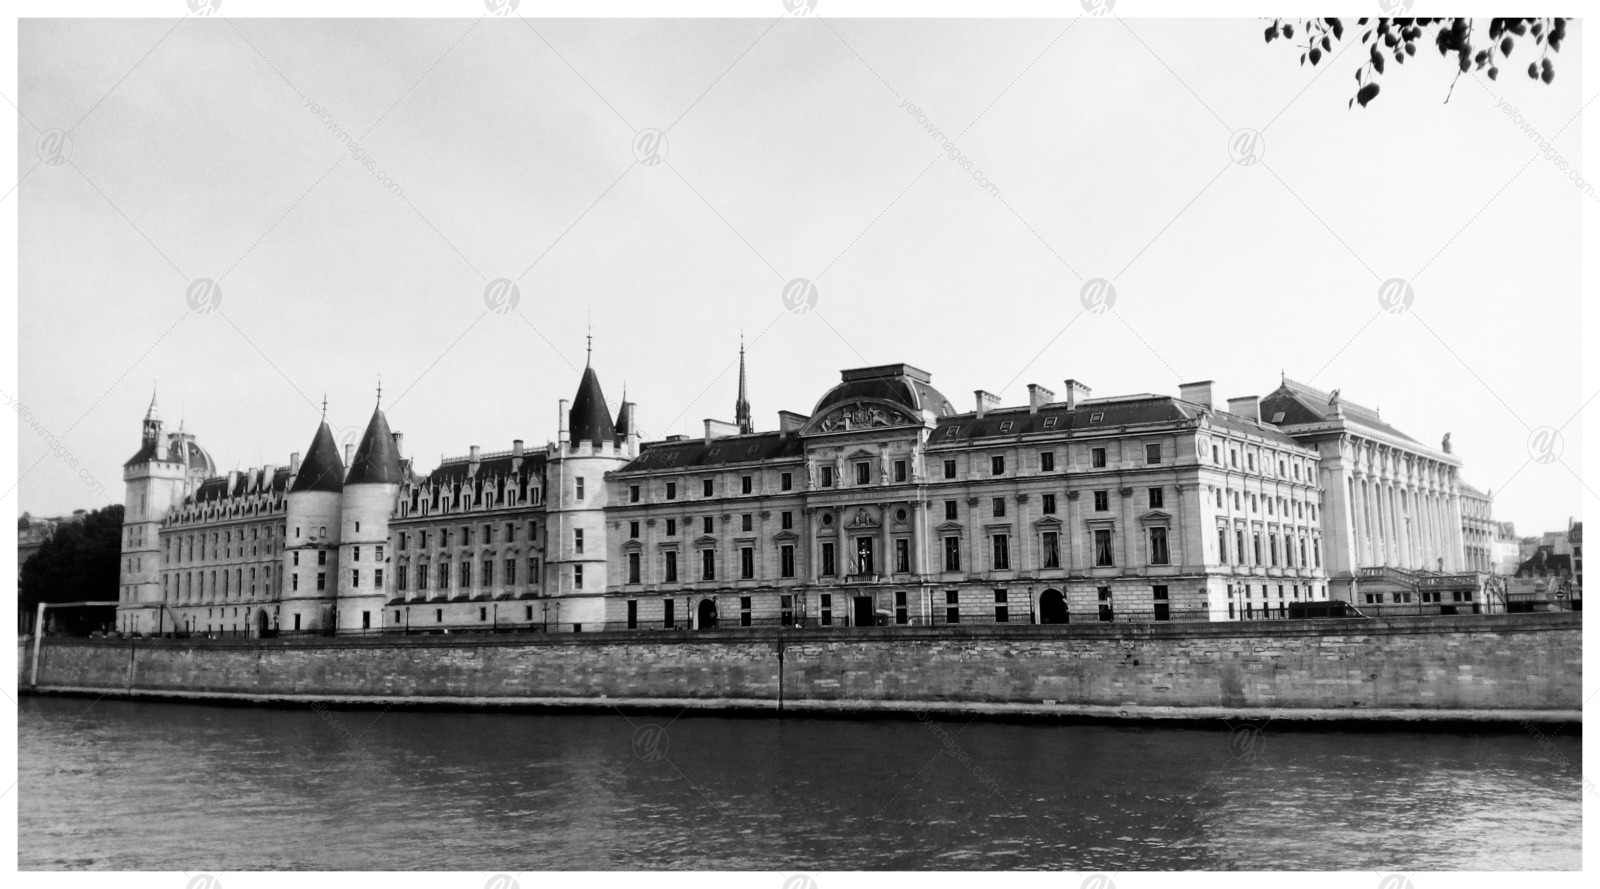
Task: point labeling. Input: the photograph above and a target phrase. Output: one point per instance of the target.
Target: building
(1507, 551)
(884, 504)
(33, 531)
(887, 505)
(1394, 523)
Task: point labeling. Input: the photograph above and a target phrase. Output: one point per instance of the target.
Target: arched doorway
(707, 615)
(1052, 608)
(261, 625)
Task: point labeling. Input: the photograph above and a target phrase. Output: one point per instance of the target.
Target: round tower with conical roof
(369, 498)
(312, 530)
(589, 446)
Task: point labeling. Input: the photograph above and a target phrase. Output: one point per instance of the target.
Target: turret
(369, 496)
(155, 481)
(312, 530)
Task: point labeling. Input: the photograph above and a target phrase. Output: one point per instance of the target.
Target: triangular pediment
(705, 540)
(1156, 517)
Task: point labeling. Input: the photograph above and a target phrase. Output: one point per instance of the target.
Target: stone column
(1073, 532)
(1129, 546)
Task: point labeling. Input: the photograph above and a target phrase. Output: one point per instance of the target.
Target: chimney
(720, 429)
(1196, 393)
(233, 479)
(985, 401)
(789, 421)
(1248, 407)
(516, 447)
(1038, 396)
(1076, 392)
(267, 472)
(294, 463)
(399, 442)
(349, 453)
(564, 408)
(251, 479)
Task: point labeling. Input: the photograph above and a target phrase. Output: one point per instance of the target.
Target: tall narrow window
(828, 567)
(952, 554)
(633, 567)
(1158, 547)
(1002, 552)
(1103, 556)
(1051, 550)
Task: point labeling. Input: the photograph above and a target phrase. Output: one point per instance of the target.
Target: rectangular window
(950, 512)
(672, 490)
(1002, 552)
(746, 484)
(1047, 461)
(633, 497)
(1102, 501)
(1238, 547)
(997, 465)
(667, 617)
(786, 520)
(745, 522)
(827, 476)
(829, 569)
(706, 487)
(577, 540)
(1159, 593)
(1105, 604)
(863, 473)
(355, 553)
(864, 557)
(1002, 612)
(633, 568)
(747, 563)
(952, 607)
(466, 574)
(952, 554)
(1103, 556)
(949, 469)
(825, 607)
(355, 578)
(999, 507)
(578, 487)
(902, 556)
(633, 530)
(672, 527)
(1152, 453)
(402, 580)
(744, 611)
(322, 580)
(899, 470)
(1157, 498)
(1050, 550)
(902, 614)
(671, 566)
(786, 481)
(1158, 547)
(1097, 457)
(577, 577)
(633, 614)
(1255, 549)
(786, 560)
(1047, 504)
(708, 564)
(510, 569)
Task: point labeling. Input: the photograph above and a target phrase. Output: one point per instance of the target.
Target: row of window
(463, 574)
(1296, 466)
(220, 545)
(466, 535)
(1275, 506)
(1284, 544)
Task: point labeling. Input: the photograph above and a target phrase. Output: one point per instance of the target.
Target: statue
(1446, 443)
(838, 469)
(883, 466)
(811, 475)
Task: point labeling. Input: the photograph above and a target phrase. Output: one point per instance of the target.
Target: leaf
(1533, 69)
(1505, 47)
(1411, 48)
(1338, 29)
(1367, 94)
(1271, 33)
(1316, 55)
(1494, 73)
(1549, 75)
(1302, 58)
(1377, 62)
(1288, 31)
(1326, 44)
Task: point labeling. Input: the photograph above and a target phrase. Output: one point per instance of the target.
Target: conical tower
(369, 497)
(311, 539)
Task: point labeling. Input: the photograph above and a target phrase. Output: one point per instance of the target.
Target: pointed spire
(741, 407)
(377, 460)
(322, 469)
(588, 352)
(589, 419)
(154, 413)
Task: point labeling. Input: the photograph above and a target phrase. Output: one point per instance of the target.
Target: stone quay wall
(1471, 668)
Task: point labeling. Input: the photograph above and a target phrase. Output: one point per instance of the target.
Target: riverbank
(1506, 669)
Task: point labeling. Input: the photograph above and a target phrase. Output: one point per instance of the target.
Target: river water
(109, 784)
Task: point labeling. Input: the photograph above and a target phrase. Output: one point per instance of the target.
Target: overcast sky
(1102, 148)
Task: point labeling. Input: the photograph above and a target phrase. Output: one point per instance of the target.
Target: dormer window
(1005, 425)
(1097, 416)
(1050, 422)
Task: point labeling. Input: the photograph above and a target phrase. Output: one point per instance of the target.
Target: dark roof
(321, 470)
(173, 453)
(147, 452)
(590, 419)
(900, 383)
(623, 418)
(1300, 403)
(377, 460)
(216, 487)
(1136, 410)
(690, 453)
(493, 466)
(1545, 561)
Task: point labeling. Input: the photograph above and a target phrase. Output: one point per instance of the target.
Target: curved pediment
(863, 413)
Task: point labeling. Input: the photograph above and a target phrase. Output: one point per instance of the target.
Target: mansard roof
(1092, 415)
(899, 383)
(496, 465)
(377, 460)
(1300, 403)
(217, 488)
(322, 469)
(589, 419)
(733, 449)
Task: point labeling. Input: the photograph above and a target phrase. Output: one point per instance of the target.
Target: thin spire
(380, 390)
(741, 407)
(324, 407)
(589, 348)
